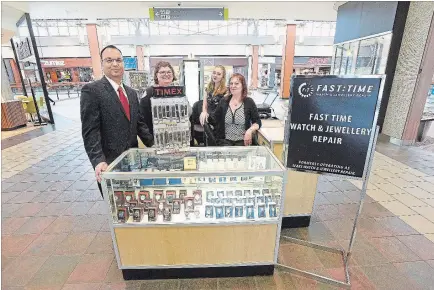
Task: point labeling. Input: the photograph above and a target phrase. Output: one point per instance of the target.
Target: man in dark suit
(110, 115)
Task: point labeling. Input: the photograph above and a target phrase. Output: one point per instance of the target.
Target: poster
(331, 123)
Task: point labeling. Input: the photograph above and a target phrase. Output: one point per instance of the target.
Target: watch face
(209, 211)
(239, 211)
(128, 198)
(142, 197)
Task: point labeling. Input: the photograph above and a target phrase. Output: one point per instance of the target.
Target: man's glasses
(110, 61)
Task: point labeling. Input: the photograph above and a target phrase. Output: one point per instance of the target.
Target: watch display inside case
(214, 185)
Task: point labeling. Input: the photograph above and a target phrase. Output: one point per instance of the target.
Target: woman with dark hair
(215, 91)
(236, 118)
(164, 75)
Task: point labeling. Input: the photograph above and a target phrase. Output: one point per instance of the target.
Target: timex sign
(23, 49)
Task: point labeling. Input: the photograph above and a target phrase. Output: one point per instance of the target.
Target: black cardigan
(218, 118)
(145, 109)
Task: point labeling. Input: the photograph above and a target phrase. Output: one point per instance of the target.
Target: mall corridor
(304, 89)
(55, 226)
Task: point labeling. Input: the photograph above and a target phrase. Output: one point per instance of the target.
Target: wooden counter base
(219, 245)
(211, 272)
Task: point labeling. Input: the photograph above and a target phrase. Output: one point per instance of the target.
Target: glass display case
(365, 56)
(224, 201)
(200, 186)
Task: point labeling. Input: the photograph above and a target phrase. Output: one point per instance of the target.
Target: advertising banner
(331, 122)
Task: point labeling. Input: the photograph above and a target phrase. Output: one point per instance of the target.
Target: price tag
(190, 163)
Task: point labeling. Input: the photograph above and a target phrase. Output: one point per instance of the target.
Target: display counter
(13, 116)
(208, 212)
(300, 189)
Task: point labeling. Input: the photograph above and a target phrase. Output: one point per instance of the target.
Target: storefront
(305, 65)
(365, 56)
(67, 70)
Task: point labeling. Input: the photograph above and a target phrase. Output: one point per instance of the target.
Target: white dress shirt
(116, 87)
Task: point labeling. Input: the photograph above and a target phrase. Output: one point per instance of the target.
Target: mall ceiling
(291, 11)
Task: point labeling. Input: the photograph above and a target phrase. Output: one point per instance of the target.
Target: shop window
(213, 27)
(43, 31)
(73, 30)
(53, 31)
(366, 57)
(325, 29)
(223, 28)
(113, 29)
(63, 30)
(123, 28)
(232, 27)
(262, 28)
(332, 29)
(308, 29)
(23, 31)
(164, 30)
(193, 27)
(183, 27)
(251, 28)
(203, 27)
(338, 60)
(382, 53)
(242, 28)
(143, 29)
(316, 29)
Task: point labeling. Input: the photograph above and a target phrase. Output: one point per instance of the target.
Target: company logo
(350, 89)
(305, 90)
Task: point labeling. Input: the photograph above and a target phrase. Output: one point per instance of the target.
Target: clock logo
(305, 90)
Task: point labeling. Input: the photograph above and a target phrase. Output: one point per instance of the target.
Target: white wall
(317, 50)
(7, 52)
(64, 51)
(301, 50)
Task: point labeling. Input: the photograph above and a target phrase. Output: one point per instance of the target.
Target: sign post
(332, 130)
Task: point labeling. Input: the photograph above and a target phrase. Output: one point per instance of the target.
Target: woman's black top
(213, 102)
(217, 119)
(145, 109)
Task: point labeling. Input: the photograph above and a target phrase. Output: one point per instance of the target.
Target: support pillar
(414, 71)
(255, 64)
(92, 36)
(287, 61)
(140, 58)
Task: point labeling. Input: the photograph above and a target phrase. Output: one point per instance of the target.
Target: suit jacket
(106, 130)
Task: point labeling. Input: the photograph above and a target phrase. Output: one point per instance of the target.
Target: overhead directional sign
(170, 14)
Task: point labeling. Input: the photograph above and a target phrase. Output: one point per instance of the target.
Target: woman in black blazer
(215, 91)
(236, 118)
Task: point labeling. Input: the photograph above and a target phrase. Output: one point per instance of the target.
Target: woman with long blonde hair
(215, 91)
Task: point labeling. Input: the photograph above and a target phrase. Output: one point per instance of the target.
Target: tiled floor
(55, 233)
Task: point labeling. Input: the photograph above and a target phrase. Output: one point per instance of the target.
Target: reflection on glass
(366, 56)
(382, 54)
(338, 59)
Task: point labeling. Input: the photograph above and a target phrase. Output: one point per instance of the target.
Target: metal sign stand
(346, 254)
